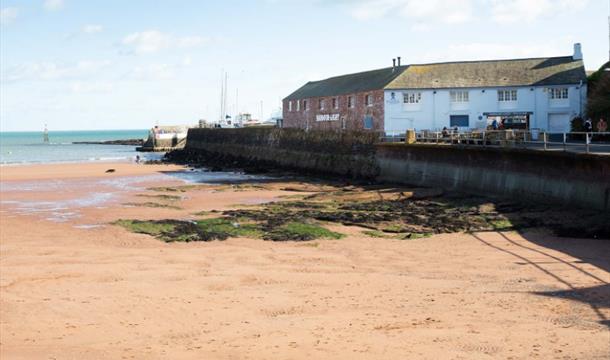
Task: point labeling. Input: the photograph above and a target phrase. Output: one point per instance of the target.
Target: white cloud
(85, 87)
(461, 11)
(153, 72)
(191, 41)
(53, 5)
(8, 15)
(450, 12)
(187, 61)
(92, 28)
(485, 51)
(152, 41)
(509, 11)
(46, 71)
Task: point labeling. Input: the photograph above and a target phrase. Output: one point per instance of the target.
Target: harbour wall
(554, 177)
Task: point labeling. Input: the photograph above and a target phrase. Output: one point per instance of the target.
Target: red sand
(105, 293)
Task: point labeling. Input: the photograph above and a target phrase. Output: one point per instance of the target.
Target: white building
(540, 93)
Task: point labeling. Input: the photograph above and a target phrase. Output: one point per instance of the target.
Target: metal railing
(587, 142)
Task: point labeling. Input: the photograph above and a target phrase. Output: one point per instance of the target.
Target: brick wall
(353, 118)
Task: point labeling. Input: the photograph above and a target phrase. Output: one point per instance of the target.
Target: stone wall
(349, 154)
(564, 178)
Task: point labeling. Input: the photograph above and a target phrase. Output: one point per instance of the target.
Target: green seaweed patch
(151, 204)
(154, 228)
(230, 228)
(187, 231)
(164, 197)
(298, 231)
(501, 224)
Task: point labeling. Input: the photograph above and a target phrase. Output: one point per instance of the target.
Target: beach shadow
(588, 251)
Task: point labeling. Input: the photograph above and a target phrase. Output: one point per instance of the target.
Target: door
(559, 123)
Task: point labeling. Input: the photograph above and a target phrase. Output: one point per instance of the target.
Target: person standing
(588, 125)
(602, 126)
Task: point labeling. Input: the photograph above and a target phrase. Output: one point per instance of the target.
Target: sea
(29, 147)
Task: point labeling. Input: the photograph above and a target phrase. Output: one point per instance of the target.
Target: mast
(224, 105)
(222, 94)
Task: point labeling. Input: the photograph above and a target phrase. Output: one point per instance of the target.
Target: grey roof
(493, 73)
(464, 74)
(348, 84)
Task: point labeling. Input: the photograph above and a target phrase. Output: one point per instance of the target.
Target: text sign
(327, 117)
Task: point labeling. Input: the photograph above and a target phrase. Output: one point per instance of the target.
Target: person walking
(602, 125)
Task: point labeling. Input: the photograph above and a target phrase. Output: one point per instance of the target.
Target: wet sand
(74, 286)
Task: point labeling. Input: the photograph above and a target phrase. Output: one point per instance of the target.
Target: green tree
(598, 103)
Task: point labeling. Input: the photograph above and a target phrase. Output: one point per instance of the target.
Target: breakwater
(554, 177)
(348, 154)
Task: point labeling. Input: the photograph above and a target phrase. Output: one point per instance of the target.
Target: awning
(509, 113)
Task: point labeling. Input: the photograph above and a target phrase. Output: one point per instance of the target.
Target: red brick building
(354, 101)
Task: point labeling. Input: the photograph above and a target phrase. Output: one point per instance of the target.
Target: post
(544, 140)
(564, 142)
(587, 141)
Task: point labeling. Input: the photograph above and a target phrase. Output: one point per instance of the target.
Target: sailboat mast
(225, 98)
(222, 94)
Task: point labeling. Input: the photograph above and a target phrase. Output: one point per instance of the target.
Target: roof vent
(577, 52)
(398, 61)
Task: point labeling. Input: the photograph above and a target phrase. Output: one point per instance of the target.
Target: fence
(588, 142)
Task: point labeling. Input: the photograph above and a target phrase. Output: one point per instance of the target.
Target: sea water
(30, 148)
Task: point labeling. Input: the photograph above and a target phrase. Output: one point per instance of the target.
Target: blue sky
(85, 64)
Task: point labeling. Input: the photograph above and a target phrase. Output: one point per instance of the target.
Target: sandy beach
(75, 286)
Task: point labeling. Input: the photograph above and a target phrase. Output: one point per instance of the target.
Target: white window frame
(459, 96)
(559, 93)
(290, 106)
(321, 104)
(509, 95)
(368, 100)
(411, 97)
(335, 103)
(305, 105)
(298, 105)
(351, 102)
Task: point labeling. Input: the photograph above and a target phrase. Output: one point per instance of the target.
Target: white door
(559, 123)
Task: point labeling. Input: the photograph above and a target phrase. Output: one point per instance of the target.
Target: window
(368, 100)
(412, 97)
(305, 105)
(507, 95)
(368, 122)
(290, 105)
(458, 120)
(335, 103)
(350, 102)
(459, 96)
(558, 93)
(321, 104)
(298, 105)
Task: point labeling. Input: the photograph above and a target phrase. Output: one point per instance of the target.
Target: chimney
(399, 61)
(577, 52)
(393, 63)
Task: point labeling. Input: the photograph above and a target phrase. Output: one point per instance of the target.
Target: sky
(116, 64)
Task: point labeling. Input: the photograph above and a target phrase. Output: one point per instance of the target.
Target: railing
(588, 142)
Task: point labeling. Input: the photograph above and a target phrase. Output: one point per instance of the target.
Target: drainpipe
(434, 109)
(580, 99)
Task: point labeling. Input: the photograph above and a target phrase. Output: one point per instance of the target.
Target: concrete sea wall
(555, 177)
